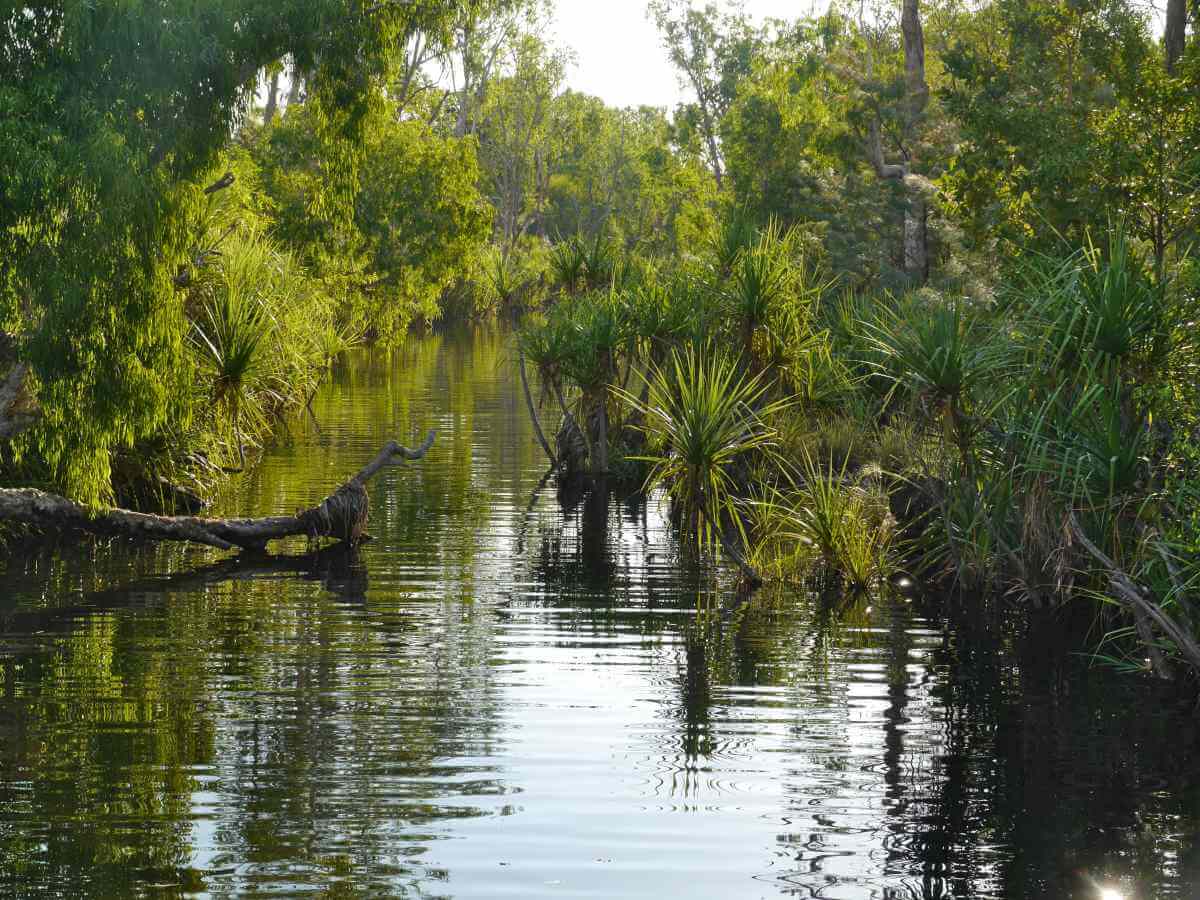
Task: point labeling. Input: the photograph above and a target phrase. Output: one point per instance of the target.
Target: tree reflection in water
(507, 675)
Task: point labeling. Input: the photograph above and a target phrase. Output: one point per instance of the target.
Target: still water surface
(508, 696)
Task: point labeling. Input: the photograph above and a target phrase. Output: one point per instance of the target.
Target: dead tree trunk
(342, 515)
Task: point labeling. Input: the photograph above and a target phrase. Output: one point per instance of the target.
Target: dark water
(503, 697)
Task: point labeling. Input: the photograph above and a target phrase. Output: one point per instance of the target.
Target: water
(503, 696)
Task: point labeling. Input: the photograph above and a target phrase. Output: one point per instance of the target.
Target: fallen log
(342, 515)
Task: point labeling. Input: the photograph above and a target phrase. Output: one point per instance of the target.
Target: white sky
(619, 55)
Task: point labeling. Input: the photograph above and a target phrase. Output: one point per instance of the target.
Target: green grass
(835, 517)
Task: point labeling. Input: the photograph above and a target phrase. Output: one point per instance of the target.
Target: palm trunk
(602, 437)
(537, 426)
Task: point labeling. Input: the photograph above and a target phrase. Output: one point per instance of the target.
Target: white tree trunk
(916, 252)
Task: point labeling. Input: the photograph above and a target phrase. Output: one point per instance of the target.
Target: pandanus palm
(233, 330)
(761, 278)
(940, 352)
(568, 264)
(705, 414)
(597, 335)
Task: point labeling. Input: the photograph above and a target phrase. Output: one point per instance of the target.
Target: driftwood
(342, 515)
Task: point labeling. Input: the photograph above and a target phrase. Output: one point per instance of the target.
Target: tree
(517, 140)
(418, 220)
(794, 155)
(890, 121)
(1174, 30)
(112, 115)
(1027, 82)
(711, 50)
(1149, 152)
(616, 174)
(482, 36)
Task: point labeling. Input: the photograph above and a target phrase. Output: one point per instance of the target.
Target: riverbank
(1039, 442)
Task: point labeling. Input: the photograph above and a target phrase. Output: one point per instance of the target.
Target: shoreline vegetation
(887, 300)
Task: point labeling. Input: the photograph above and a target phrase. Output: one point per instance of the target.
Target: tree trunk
(914, 60)
(342, 515)
(533, 417)
(296, 87)
(713, 150)
(272, 98)
(1173, 33)
(916, 253)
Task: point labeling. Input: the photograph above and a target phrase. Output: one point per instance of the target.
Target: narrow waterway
(508, 693)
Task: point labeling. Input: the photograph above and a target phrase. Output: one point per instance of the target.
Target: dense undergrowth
(1040, 442)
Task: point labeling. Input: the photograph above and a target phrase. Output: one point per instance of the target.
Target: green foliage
(260, 335)
(761, 276)
(418, 221)
(111, 116)
(568, 263)
(941, 353)
(843, 521)
(1038, 108)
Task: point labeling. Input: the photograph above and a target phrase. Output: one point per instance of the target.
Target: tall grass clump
(835, 516)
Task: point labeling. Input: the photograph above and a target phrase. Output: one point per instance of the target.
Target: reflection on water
(509, 693)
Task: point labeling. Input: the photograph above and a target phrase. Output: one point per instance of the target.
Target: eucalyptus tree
(112, 118)
(617, 174)
(482, 36)
(711, 49)
(519, 139)
(794, 155)
(888, 113)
